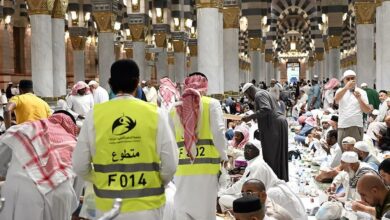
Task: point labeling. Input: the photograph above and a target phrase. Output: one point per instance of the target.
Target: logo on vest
(123, 125)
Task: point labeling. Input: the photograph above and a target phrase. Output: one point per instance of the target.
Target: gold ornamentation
(319, 56)
(326, 45)
(137, 32)
(171, 60)
(208, 3)
(268, 57)
(193, 50)
(365, 12)
(59, 9)
(255, 44)
(149, 56)
(105, 21)
(129, 53)
(179, 46)
(78, 42)
(231, 17)
(161, 39)
(334, 41)
(38, 7)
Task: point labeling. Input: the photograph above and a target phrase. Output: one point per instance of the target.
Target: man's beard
(351, 174)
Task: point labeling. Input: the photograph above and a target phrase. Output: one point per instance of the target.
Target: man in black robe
(273, 128)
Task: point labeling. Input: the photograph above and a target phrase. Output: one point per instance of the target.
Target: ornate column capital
(268, 57)
(231, 17)
(193, 46)
(137, 25)
(59, 9)
(128, 47)
(161, 32)
(255, 44)
(38, 7)
(171, 58)
(78, 37)
(209, 3)
(179, 40)
(319, 56)
(105, 13)
(334, 41)
(365, 12)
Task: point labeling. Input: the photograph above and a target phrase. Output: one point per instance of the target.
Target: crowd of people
(169, 152)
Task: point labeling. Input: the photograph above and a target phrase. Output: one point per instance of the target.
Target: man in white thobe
(100, 95)
(277, 190)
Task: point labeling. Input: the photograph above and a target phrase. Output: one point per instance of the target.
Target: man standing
(314, 96)
(100, 95)
(199, 129)
(81, 99)
(273, 129)
(274, 90)
(353, 102)
(132, 149)
(27, 106)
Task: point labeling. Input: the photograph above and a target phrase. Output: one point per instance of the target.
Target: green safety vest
(126, 163)
(207, 160)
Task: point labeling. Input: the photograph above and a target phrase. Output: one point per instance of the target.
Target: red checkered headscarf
(189, 110)
(80, 85)
(44, 148)
(167, 91)
(244, 130)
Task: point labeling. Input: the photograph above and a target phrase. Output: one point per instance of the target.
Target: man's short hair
(124, 76)
(385, 166)
(383, 91)
(332, 134)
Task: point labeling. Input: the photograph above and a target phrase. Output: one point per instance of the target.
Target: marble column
(326, 65)
(41, 48)
(276, 71)
(179, 46)
(256, 64)
(263, 72)
(379, 46)
(365, 14)
(208, 44)
(78, 65)
(171, 66)
(230, 49)
(59, 60)
(334, 56)
(139, 58)
(162, 64)
(193, 46)
(383, 46)
(106, 57)
(221, 51)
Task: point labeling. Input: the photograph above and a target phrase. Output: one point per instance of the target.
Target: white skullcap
(363, 85)
(246, 87)
(325, 118)
(349, 73)
(350, 157)
(349, 140)
(143, 81)
(10, 83)
(329, 210)
(362, 146)
(315, 77)
(375, 112)
(92, 82)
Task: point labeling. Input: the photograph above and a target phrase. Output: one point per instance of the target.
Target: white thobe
(166, 149)
(277, 190)
(80, 104)
(196, 196)
(24, 201)
(151, 95)
(100, 95)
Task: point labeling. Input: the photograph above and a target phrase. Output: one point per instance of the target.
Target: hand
(350, 84)
(357, 95)
(359, 206)
(379, 136)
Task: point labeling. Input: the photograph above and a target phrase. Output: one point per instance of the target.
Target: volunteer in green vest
(131, 147)
(199, 130)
